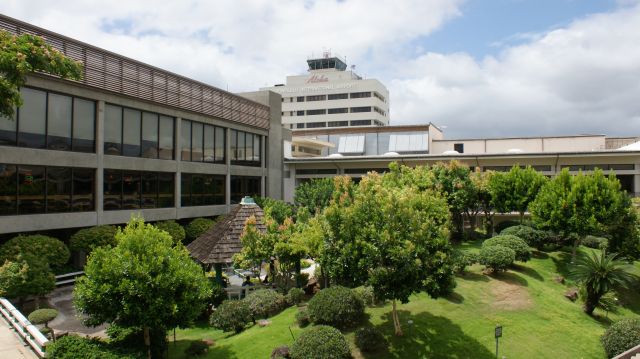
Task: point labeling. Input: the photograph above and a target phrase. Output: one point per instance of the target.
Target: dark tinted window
(32, 118)
(186, 140)
(59, 122)
(196, 141)
(8, 130)
(220, 145)
(149, 135)
(165, 189)
(83, 187)
(130, 190)
(149, 190)
(202, 189)
(112, 189)
(31, 189)
(166, 138)
(58, 189)
(338, 96)
(185, 189)
(131, 133)
(244, 186)
(112, 130)
(209, 139)
(8, 189)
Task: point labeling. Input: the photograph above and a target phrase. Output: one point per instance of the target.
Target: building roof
(632, 147)
(116, 73)
(222, 240)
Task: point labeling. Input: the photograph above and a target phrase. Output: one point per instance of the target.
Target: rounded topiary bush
(197, 227)
(621, 336)
(175, 230)
(264, 303)
(366, 294)
(88, 239)
(320, 342)
(369, 339)
(533, 237)
(462, 260)
(337, 306)
(50, 249)
(497, 258)
(73, 346)
(231, 316)
(295, 296)
(519, 246)
(595, 242)
(505, 224)
(42, 316)
(302, 318)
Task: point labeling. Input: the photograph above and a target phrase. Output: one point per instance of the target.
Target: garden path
(10, 344)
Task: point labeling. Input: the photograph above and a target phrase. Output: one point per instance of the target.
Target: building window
(360, 109)
(299, 125)
(316, 171)
(134, 133)
(59, 114)
(376, 109)
(338, 123)
(300, 113)
(32, 120)
(360, 94)
(84, 121)
(316, 112)
(245, 148)
(300, 99)
(137, 189)
(202, 142)
(379, 96)
(338, 96)
(361, 123)
(202, 189)
(40, 189)
(351, 144)
(244, 186)
(458, 147)
(316, 124)
(416, 142)
(338, 110)
(317, 98)
(197, 136)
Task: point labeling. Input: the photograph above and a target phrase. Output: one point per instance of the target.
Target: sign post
(498, 333)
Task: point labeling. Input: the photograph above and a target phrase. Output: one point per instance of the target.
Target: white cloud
(583, 77)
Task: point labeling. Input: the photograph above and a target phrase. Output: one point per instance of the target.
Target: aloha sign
(315, 79)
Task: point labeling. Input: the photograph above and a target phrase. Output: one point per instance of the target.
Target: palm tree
(598, 274)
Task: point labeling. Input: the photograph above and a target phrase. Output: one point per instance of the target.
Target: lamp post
(498, 334)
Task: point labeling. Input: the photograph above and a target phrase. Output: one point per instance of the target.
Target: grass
(538, 322)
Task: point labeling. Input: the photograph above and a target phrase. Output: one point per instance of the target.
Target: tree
(87, 239)
(514, 190)
(315, 195)
(481, 182)
(598, 274)
(256, 247)
(174, 229)
(52, 250)
(453, 180)
(12, 275)
(23, 54)
(144, 281)
(43, 316)
(276, 209)
(586, 204)
(30, 275)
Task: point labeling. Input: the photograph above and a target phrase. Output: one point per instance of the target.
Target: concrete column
(227, 160)
(264, 191)
(177, 155)
(99, 177)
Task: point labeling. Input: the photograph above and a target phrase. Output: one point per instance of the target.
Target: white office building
(329, 95)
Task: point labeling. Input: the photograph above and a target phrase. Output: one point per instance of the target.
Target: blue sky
(487, 68)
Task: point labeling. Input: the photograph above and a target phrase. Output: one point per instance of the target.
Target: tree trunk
(574, 250)
(298, 272)
(147, 341)
(590, 303)
(396, 320)
(521, 217)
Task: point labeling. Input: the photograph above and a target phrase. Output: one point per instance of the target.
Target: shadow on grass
(474, 277)
(218, 352)
(510, 277)
(429, 336)
(562, 263)
(529, 272)
(630, 297)
(455, 297)
(537, 254)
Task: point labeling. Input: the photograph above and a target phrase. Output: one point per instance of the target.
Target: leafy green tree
(453, 180)
(315, 195)
(290, 248)
(23, 54)
(43, 316)
(599, 273)
(481, 182)
(87, 239)
(587, 204)
(197, 227)
(514, 190)
(174, 229)
(12, 275)
(145, 281)
(276, 209)
(34, 277)
(52, 250)
(256, 246)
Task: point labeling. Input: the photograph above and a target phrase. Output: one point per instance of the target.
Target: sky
(476, 68)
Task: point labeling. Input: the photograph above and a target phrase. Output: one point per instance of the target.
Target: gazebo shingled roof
(218, 244)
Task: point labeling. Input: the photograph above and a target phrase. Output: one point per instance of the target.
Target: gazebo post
(218, 269)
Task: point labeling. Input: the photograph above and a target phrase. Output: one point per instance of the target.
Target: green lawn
(538, 321)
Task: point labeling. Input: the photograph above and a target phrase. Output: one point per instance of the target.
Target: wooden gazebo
(216, 246)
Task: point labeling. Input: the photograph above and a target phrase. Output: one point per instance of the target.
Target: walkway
(10, 344)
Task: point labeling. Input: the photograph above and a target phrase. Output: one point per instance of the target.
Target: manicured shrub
(175, 230)
(462, 260)
(533, 237)
(196, 348)
(231, 316)
(320, 342)
(337, 306)
(52, 250)
(218, 294)
(369, 339)
(497, 258)
(295, 296)
(595, 242)
(366, 294)
(42, 316)
(197, 227)
(264, 303)
(302, 318)
(505, 224)
(88, 239)
(519, 246)
(280, 352)
(621, 336)
(75, 347)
